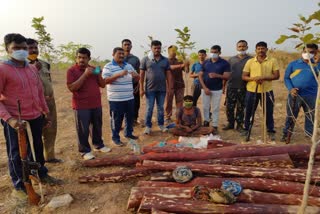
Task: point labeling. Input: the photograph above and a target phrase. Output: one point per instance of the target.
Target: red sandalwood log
(238, 171)
(280, 161)
(213, 144)
(119, 176)
(155, 211)
(295, 151)
(161, 176)
(246, 196)
(187, 206)
(260, 184)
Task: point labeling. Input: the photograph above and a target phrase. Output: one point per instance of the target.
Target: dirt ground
(111, 198)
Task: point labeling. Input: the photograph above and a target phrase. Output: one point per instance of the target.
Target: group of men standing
(127, 79)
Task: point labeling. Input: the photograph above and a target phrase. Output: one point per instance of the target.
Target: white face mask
(307, 56)
(214, 55)
(242, 52)
(20, 55)
(150, 55)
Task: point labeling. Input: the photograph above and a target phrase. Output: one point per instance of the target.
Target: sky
(104, 23)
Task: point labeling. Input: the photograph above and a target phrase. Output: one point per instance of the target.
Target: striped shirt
(122, 88)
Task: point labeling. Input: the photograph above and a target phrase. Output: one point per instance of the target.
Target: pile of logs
(272, 177)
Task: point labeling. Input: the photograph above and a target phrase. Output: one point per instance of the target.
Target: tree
(184, 42)
(302, 32)
(67, 52)
(44, 39)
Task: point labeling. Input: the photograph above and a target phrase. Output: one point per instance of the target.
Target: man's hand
(213, 75)
(207, 91)
(294, 92)
(88, 71)
(188, 129)
(13, 122)
(38, 65)
(134, 74)
(47, 122)
(141, 92)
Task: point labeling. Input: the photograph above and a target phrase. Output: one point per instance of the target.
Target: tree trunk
(295, 151)
(246, 196)
(238, 171)
(259, 184)
(213, 144)
(187, 206)
(272, 161)
(119, 176)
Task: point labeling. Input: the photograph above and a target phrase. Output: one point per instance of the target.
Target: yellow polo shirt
(255, 68)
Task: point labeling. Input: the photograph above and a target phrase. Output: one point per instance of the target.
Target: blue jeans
(89, 122)
(251, 107)
(14, 159)
(120, 110)
(308, 104)
(151, 97)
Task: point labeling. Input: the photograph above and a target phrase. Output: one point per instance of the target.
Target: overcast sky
(104, 23)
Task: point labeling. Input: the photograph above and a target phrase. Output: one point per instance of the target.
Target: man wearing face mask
(20, 81)
(236, 88)
(215, 71)
(49, 133)
(118, 76)
(303, 89)
(155, 76)
(259, 72)
(85, 81)
(189, 120)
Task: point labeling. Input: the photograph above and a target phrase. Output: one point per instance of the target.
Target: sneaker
(163, 128)
(132, 137)
(103, 149)
(147, 130)
(272, 136)
(88, 156)
(228, 127)
(47, 179)
(239, 127)
(119, 143)
(19, 195)
(206, 124)
(283, 138)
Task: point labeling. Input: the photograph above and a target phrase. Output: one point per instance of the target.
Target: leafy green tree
(184, 42)
(302, 32)
(44, 39)
(67, 52)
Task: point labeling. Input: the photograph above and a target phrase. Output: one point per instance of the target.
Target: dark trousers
(89, 122)
(196, 92)
(251, 107)
(120, 110)
(235, 100)
(14, 159)
(308, 104)
(136, 95)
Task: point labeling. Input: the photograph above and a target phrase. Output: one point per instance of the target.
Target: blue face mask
(20, 55)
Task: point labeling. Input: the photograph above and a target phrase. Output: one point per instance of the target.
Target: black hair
(31, 41)
(262, 44)
(126, 40)
(84, 51)
(202, 51)
(216, 47)
(242, 41)
(13, 37)
(188, 97)
(117, 49)
(312, 46)
(156, 43)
